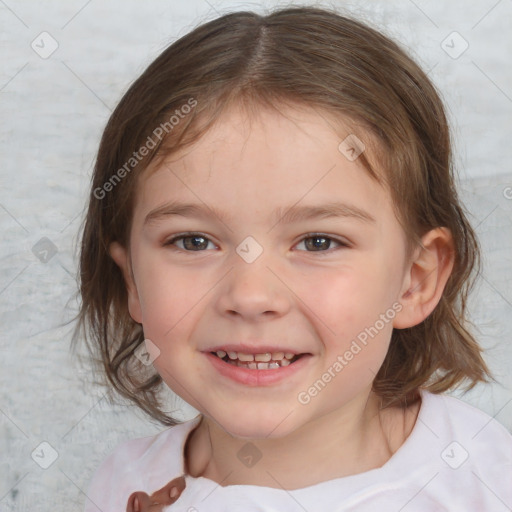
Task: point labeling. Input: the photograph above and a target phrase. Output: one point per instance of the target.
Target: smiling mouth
(265, 361)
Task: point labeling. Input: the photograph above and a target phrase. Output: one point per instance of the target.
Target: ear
(425, 278)
(120, 255)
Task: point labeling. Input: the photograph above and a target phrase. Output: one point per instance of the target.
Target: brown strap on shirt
(139, 501)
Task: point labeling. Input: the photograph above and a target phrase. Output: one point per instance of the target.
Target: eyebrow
(291, 214)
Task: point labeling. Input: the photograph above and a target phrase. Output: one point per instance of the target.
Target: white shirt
(457, 458)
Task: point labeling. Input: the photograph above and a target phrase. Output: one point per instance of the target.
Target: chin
(259, 425)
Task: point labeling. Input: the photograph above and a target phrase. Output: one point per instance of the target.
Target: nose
(254, 291)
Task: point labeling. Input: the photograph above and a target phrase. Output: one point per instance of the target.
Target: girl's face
(254, 264)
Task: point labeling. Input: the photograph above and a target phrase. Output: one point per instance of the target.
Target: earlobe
(426, 278)
(120, 255)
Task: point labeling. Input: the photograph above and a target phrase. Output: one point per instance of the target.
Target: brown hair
(303, 56)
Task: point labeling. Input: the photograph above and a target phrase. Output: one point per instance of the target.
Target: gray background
(53, 110)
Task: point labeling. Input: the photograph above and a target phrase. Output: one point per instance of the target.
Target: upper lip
(253, 349)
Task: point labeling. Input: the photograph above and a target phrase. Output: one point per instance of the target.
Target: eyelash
(173, 240)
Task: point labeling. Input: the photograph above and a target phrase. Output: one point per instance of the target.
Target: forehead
(266, 159)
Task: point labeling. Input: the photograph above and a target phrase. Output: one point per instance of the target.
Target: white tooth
(262, 366)
(289, 355)
(221, 353)
(273, 365)
(232, 355)
(263, 357)
(245, 357)
(252, 366)
(277, 355)
(285, 362)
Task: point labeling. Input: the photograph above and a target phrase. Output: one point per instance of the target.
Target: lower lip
(257, 377)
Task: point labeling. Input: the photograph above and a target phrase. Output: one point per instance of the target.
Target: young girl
(274, 233)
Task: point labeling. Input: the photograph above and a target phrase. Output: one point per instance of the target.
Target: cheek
(168, 299)
(168, 302)
(350, 296)
(354, 314)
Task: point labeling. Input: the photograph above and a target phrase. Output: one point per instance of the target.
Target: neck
(354, 439)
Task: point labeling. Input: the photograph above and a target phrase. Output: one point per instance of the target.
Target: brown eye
(320, 243)
(193, 242)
